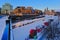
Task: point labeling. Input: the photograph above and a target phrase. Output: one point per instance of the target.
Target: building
(6, 8)
(49, 12)
(38, 12)
(29, 8)
(19, 10)
(26, 11)
(57, 13)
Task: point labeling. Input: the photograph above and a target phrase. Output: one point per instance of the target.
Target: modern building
(6, 8)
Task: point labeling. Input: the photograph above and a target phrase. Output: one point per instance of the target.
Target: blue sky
(38, 4)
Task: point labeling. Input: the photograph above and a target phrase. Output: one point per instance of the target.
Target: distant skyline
(37, 4)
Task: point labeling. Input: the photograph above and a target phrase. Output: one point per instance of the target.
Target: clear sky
(38, 4)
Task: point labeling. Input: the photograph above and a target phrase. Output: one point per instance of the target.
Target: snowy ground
(20, 33)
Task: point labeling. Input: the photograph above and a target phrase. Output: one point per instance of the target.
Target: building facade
(49, 12)
(6, 8)
(26, 11)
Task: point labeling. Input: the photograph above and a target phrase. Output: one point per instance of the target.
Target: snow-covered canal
(22, 32)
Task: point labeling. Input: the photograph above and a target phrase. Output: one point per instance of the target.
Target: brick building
(26, 11)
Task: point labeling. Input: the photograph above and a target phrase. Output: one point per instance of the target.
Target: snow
(28, 22)
(2, 25)
(20, 33)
